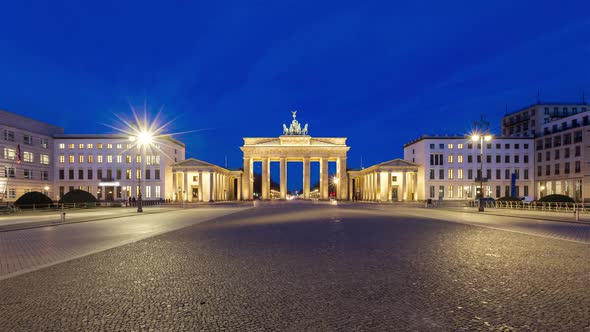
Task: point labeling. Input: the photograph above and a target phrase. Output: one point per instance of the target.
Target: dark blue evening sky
(380, 73)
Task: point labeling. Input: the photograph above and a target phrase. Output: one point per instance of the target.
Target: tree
(33, 199)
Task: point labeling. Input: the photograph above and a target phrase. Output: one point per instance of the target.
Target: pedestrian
(133, 200)
(129, 201)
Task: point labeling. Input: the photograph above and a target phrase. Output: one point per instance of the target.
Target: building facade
(27, 162)
(199, 181)
(530, 121)
(451, 167)
(110, 166)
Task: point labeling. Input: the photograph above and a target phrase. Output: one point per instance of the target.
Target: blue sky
(378, 72)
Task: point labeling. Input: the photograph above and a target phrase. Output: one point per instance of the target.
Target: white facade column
(185, 186)
(239, 196)
(306, 180)
(211, 186)
(247, 179)
(324, 180)
(175, 187)
(404, 186)
(343, 182)
(265, 179)
(201, 192)
(350, 188)
(283, 166)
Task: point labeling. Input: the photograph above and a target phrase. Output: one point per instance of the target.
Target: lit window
(128, 146)
(109, 159)
(71, 158)
(62, 146)
(157, 160)
(138, 173)
(157, 191)
(138, 159)
(109, 146)
(71, 146)
(99, 159)
(81, 146)
(62, 159)
(128, 174)
(450, 146)
(460, 146)
(460, 174)
(9, 154)
(450, 159)
(148, 191)
(44, 159)
(450, 192)
(90, 146)
(99, 145)
(460, 159)
(450, 174)
(459, 191)
(128, 159)
(119, 159)
(80, 158)
(28, 157)
(119, 146)
(90, 159)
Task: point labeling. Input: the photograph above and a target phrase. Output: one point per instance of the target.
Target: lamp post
(143, 139)
(481, 138)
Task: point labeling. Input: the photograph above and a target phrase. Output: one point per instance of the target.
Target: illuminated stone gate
(295, 145)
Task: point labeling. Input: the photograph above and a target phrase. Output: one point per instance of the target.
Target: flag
(18, 158)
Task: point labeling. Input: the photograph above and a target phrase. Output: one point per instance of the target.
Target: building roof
(112, 136)
(196, 163)
(394, 163)
(465, 137)
(27, 124)
(538, 104)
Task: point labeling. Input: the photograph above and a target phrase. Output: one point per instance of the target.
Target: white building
(26, 159)
(109, 166)
(450, 167)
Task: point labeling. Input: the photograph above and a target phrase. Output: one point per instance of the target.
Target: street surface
(297, 267)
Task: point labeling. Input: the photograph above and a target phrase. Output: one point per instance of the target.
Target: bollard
(577, 214)
(63, 216)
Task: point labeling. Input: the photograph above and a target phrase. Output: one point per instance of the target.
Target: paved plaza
(297, 266)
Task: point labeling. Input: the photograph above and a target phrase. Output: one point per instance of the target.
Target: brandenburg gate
(295, 145)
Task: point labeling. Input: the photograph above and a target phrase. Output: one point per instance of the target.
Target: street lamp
(143, 139)
(481, 138)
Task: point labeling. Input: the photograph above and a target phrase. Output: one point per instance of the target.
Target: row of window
(436, 159)
(557, 154)
(460, 146)
(559, 140)
(574, 124)
(450, 173)
(469, 191)
(118, 193)
(10, 136)
(107, 174)
(27, 173)
(108, 146)
(150, 160)
(27, 157)
(557, 169)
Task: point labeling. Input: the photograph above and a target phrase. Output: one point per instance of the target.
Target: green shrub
(508, 199)
(36, 198)
(77, 196)
(556, 199)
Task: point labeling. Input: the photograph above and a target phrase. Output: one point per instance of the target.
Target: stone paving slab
(26, 250)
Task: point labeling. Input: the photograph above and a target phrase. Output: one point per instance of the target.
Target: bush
(77, 196)
(556, 199)
(27, 200)
(508, 199)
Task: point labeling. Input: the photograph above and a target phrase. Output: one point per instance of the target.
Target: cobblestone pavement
(322, 268)
(25, 250)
